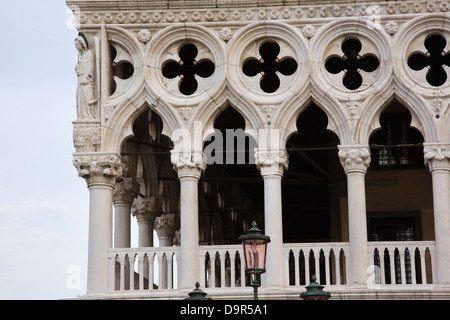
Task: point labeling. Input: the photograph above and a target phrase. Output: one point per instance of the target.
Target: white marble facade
(147, 35)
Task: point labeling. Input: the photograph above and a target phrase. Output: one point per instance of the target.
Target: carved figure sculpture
(85, 69)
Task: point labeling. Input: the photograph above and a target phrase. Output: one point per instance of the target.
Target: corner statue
(85, 72)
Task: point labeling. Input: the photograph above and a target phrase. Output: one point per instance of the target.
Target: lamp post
(254, 245)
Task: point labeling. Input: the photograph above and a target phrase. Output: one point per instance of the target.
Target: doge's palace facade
(153, 77)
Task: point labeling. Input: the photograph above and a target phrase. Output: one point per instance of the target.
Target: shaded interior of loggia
(314, 190)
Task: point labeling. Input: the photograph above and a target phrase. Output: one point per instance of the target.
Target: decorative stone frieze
(271, 162)
(354, 158)
(99, 169)
(437, 156)
(199, 11)
(126, 190)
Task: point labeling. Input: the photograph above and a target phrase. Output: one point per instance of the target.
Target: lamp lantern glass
(254, 245)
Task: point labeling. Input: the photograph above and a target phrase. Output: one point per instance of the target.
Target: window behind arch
(396, 145)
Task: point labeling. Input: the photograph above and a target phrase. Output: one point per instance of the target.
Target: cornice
(223, 10)
(176, 4)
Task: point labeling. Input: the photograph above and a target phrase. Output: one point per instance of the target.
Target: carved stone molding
(126, 190)
(86, 136)
(271, 162)
(144, 36)
(437, 156)
(231, 10)
(268, 110)
(186, 113)
(353, 110)
(146, 209)
(355, 158)
(309, 31)
(99, 169)
(225, 34)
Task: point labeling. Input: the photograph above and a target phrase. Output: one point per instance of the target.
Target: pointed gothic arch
(398, 184)
(231, 188)
(315, 184)
(422, 120)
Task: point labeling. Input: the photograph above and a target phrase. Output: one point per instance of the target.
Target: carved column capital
(166, 225)
(271, 162)
(146, 209)
(98, 168)
(437, 156)
(188, 164)
(354, 158)
(126, 190)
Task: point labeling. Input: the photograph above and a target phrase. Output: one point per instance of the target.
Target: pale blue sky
(43, 203)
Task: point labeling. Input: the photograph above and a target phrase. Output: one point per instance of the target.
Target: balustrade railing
(403, 262)
(327, 261)
(142, 268)
(393, 263)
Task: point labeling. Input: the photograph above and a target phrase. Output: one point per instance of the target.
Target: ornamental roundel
(423, 54)
(187, 65)
(188, 69)
(350, 57)
(268, 66)
(353, 64)
(267, 62)
(435, 60)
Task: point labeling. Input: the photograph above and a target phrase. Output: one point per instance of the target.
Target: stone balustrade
(140, 270)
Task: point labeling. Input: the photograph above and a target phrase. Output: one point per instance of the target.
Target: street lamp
(254, 244)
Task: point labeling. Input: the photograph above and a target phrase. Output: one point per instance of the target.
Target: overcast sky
(43, 203)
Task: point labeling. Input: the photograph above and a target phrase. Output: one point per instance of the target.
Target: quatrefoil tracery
(269, 66)
(352, 63)
(435, 60)
(188, 68)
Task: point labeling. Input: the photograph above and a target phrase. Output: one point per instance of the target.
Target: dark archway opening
(398, 184)
(147, 154)
(314, 186)
(231, 191)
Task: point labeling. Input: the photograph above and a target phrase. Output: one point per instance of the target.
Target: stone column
(355, 159)
(437, 157)
(272, 165)
(100, 172)
(146, 210)
(165, 227)
(124, 193)
(189, 168)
